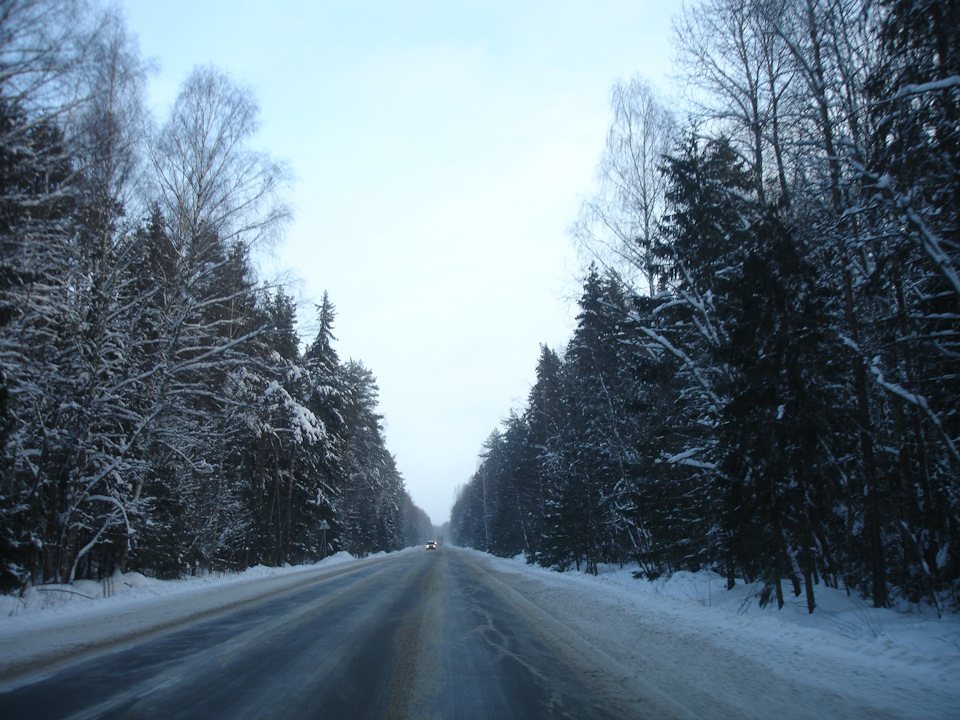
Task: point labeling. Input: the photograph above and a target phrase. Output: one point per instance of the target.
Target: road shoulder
(37, 644)
(656, 654)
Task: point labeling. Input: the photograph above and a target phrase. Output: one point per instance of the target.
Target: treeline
(158, 409)
(765, 374)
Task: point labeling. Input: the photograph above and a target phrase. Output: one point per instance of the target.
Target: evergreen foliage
(777, 401)
(157, 411)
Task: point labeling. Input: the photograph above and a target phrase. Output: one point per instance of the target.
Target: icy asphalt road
(449, 634)
(420, 635)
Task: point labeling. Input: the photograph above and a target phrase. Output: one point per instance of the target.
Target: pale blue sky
(442, 150)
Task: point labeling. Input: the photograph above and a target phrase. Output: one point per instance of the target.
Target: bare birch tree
(618, 226)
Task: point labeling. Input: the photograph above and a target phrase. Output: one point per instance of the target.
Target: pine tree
(583, 517)
(914, 174)
(542, 460)
(36, 264)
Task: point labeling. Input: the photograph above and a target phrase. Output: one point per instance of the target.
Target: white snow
(53, 622)
(905, 662)
(921, 88)
(902, 663)
(41, 604)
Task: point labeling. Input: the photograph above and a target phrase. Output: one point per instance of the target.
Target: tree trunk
(288, 521)
(874, 539)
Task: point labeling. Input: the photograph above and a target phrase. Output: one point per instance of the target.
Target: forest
(159, 411)
(764, 376)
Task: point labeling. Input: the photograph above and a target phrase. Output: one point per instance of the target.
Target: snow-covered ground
(42, 604)
(57, 622)
(906, 662)
(689, 638)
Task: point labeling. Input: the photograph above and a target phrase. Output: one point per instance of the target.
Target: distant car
(432, 545)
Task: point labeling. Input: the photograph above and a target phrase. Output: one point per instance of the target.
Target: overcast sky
(442, 149)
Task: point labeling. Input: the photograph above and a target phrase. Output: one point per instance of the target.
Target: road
(419, 635)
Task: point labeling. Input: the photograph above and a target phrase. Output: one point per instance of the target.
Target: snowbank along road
(422, 634)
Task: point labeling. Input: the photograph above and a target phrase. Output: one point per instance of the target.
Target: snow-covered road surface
(664, 657)
(453, 634)
(418, 635)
